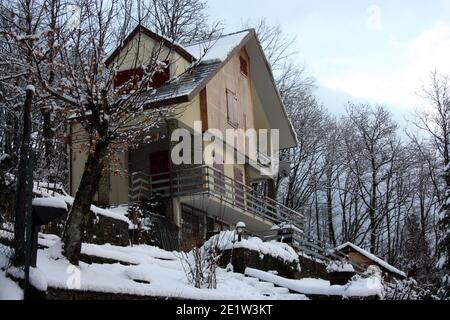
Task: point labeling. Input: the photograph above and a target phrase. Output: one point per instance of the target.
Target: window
(232, 113)
(244, 65)
(133, 76)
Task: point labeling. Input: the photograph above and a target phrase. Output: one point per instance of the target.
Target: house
(226, 83)
(365, 259)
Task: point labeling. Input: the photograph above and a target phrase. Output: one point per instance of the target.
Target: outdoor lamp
(240, 228)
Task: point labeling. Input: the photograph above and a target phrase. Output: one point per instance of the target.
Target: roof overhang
(267, 90)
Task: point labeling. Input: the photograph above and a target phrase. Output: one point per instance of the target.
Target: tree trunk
(372, 214)
(331, 233)
(22, 184)
(316, 203)
(444, 226)
(79, 212)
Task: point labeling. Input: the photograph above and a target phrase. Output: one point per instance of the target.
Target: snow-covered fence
(6, 243)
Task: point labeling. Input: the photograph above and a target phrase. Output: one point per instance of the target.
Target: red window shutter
(122, 77)
(158, 80)
(161, 77)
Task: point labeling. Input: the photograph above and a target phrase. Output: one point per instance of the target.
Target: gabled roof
(372, 257)
(210, 56)
(158, 38)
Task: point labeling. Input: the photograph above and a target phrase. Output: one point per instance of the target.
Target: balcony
(209, 190)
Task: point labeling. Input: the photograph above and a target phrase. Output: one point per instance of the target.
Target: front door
(159, 171)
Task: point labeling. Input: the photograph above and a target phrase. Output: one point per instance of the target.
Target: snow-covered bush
(200, 264)
(366, 285)
(407, 289)
(339, 266)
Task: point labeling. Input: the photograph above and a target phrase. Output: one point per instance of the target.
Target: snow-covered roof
(183, 88)
(372, 257)
(209, 55)
(207, 58)
(217, 49)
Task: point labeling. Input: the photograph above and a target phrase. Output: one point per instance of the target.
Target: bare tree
(435, 120)
(371, 150)
(71, 71)
(182, 21)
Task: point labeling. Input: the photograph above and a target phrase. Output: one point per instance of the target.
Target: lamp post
(240, 229)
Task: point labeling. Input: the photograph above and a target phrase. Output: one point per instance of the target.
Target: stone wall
(100, 230)
(242, 258)
(103, 229)
(312, 269)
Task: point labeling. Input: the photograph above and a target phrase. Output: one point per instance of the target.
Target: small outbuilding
(365, 259)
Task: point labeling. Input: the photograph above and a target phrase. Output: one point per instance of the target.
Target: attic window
(130, 79)
(244, 65)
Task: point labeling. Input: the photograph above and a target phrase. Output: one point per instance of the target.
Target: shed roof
(372, 257)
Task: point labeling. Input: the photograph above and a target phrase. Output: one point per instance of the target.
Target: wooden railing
(210, 181)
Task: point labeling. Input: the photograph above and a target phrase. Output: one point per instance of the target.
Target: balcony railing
(207, 180)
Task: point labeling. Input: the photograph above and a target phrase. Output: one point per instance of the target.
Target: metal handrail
(313, 248)
(205, 179)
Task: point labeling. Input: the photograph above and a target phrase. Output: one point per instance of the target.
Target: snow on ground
(360, 287)
(47, 240)
(162, 269)
(372, 257)
(226, 241)
(9, 290)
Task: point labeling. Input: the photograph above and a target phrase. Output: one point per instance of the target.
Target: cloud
(373, 17)
(397, 83)
(430, 51)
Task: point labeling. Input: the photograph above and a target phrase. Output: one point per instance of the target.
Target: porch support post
(176, 214)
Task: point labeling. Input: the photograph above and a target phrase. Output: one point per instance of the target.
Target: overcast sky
(369, 51)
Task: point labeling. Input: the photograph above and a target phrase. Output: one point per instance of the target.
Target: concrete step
(250, 280)
(264, 285)
(279, 290)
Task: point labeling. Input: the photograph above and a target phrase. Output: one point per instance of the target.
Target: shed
(364, 258)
